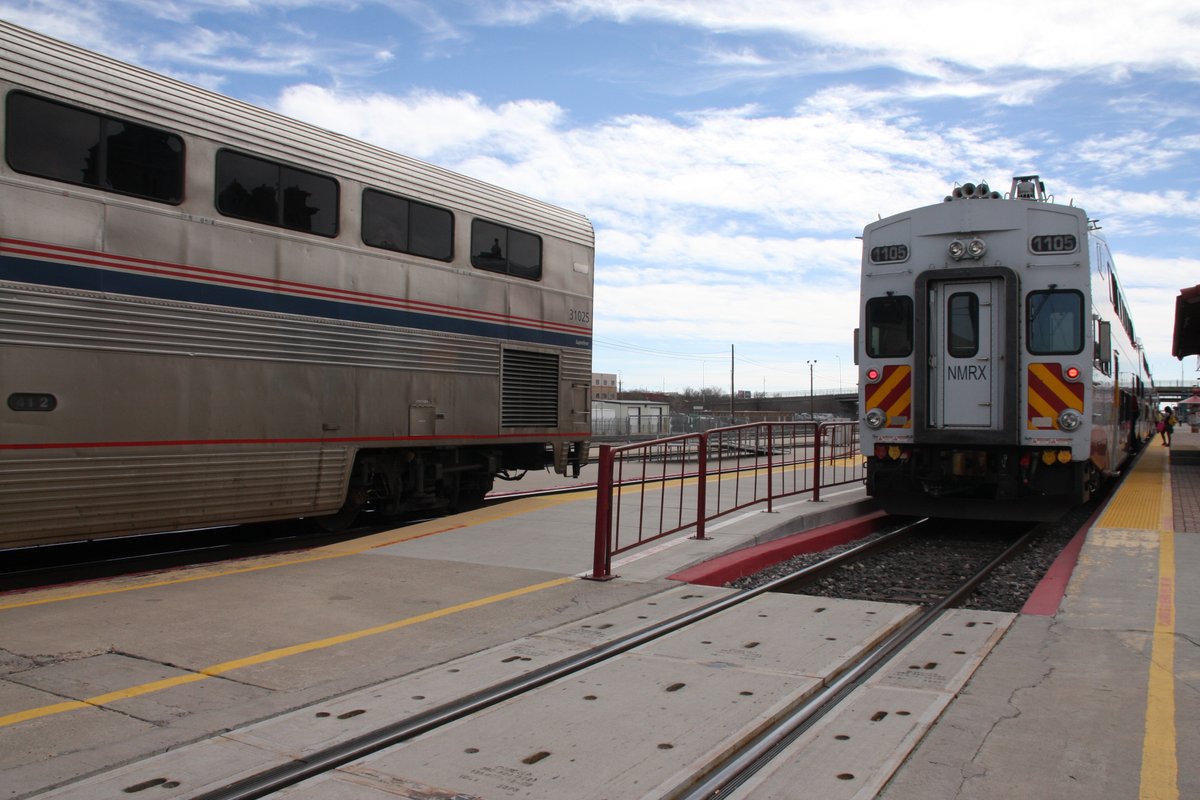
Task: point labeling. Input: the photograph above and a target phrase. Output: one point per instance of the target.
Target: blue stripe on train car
(67, 276)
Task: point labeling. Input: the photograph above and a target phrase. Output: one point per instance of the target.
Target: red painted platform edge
(731, 566)
(1048, 594)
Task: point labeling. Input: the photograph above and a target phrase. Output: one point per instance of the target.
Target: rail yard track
(708, 779)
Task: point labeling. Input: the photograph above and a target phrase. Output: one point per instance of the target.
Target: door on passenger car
(964, 376)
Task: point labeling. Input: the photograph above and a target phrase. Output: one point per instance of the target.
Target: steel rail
(269, 781)
(721, 780)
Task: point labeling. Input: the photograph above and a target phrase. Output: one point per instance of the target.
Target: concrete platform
(633, 726)
(1101, 700)
(162, 685)
(107, 674)
(1185, 446)
(855, 750)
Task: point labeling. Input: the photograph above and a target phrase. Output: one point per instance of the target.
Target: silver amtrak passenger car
(211, 314)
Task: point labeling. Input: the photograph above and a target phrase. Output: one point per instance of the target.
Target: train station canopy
(1187, 323)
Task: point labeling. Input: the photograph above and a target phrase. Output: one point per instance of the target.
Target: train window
(407, 226)
(1054, 322)
(276, 194)
(498, 248)
(69, 144)
(889, 327)
(1102, 346)
(962, 325)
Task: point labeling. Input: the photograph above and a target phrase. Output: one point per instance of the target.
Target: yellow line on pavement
(1160, 767)
(269, 655)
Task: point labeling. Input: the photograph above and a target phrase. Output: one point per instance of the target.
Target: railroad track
(710, 780)
(922, 567)
(723, 780)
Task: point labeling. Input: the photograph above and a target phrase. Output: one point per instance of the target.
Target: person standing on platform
(1169, 421)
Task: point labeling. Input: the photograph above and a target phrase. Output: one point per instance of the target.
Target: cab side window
(889, 327)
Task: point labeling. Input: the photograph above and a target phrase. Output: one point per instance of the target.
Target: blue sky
(728, 152)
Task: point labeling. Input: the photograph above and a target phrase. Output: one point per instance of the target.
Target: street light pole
(811, 407)
(732, 393)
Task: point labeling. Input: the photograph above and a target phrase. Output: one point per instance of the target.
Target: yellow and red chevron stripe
(1048, 394)
(893, 394)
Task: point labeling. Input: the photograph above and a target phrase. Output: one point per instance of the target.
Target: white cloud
(202, 37)
(83, 25)
(1063, 36)
(726, 224)
(720, 225)
(1158, 274)
(818, 169)
(1122, 211)
(428, 125)
(737, 221)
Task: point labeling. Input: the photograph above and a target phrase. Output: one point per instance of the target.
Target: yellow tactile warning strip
(270, 655)
(1137, 505)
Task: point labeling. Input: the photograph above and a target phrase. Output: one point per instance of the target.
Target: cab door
(965, 376)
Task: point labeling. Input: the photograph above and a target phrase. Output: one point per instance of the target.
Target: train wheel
(472, 489)
(344, 518)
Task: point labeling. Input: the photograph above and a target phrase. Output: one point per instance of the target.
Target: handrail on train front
(754, 442)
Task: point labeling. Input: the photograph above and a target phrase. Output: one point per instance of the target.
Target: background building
(604, 386)
(630, 418)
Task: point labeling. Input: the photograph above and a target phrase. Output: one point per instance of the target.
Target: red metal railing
(650, 490)
(646, 486)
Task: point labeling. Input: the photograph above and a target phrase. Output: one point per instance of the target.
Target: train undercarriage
(398, 483)
(983, 482)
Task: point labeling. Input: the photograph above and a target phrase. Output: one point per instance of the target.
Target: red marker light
(872, 374)
(1072, 373)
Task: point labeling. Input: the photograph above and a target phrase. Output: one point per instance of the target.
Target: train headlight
(876, 419)
(974, 249)
(1070, 420)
